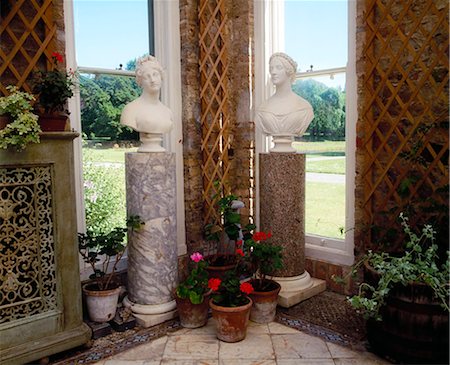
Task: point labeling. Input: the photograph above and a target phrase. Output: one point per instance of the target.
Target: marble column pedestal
(282, 211)
(152, 250)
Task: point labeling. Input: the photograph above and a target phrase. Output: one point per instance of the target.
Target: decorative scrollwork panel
(27, 252)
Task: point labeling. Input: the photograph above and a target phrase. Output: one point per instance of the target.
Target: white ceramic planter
(101, 305)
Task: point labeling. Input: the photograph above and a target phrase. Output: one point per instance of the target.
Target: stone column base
(148, 315)
(296, 289)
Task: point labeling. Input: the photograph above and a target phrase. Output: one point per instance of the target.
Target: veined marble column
(282, 211)
(152, 250)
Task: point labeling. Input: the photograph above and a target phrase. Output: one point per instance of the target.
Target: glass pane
(110, 33)
(324, 146)
(316, 33)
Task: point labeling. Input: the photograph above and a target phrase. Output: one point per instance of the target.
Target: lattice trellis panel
(405, 114)
(215, 119)
(27, 33)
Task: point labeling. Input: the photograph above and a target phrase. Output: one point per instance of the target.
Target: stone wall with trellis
(218, 132)
(29, 31)
(402, 153)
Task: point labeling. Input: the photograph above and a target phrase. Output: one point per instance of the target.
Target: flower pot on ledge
(54, 122)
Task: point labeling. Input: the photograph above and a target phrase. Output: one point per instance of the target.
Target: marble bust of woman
(285, 114)
(147, 114)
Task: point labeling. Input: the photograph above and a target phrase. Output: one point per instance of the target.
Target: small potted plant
(230, 305)
(21, 127)
(192, 294)
(102, 293)
(404, 298)
(225, 233)
(53, 88)
(263, 259)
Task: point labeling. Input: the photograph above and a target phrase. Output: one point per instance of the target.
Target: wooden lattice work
(27, 33)
(215, 119)
(405, 114)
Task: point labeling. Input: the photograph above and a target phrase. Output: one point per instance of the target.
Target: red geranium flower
(240, 252)
(246, 288)
(259, 236)
(214, 284)
(58, 57)
(238, 243)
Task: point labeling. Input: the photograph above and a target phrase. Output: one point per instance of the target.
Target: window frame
(167, 50)
(269, 20)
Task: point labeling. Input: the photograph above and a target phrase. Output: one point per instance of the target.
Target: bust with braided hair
(285, 114)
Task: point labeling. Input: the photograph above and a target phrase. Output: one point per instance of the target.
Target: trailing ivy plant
(23, 128)
(417, 264)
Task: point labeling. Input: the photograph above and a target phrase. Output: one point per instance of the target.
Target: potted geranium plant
(53, 88)
(404, 298)
(230, 304)
(21, 127)
(192, 294)
(263, 259)
(100, 251)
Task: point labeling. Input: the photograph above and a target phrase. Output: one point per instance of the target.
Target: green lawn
(332, 165)
(325, 202)
(114, 155)
(325, 209)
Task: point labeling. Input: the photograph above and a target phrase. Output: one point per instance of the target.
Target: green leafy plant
(103, 194)
(417, 264)
(23, 128)
(105, 248)
(55, 86)
(263, 258)
(195, 286)
(228, 229)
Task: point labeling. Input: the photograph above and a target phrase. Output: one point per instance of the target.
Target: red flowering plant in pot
(192, 294)
(53, 88)
(230, 304)
(263, 259)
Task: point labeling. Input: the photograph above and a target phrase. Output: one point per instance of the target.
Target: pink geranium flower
(196, 257)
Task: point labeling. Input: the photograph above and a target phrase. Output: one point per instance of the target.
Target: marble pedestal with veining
(152, 250)
(282, 211)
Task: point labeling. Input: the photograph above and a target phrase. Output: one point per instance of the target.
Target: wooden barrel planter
(414, 329)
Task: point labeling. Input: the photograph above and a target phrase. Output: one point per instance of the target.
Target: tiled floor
(265, 344)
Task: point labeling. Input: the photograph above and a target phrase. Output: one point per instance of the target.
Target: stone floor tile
(126, 362)
(257, 328)
(337, 351)
(255, 347)
(191, 347)
(189, 362)
(247, 362)
(208, 329)
(305, 362)
(148, 351)
(300, 345)
(279, 329)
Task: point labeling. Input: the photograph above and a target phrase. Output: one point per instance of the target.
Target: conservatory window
(105, 52)
(328, 83)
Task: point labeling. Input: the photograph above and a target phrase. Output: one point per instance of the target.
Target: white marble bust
(285, 114)
(147, 114)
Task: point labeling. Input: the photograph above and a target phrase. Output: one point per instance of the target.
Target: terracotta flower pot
(216, 269)
(264, 306)
(192, 315)
(54, 122)
(231, 322)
